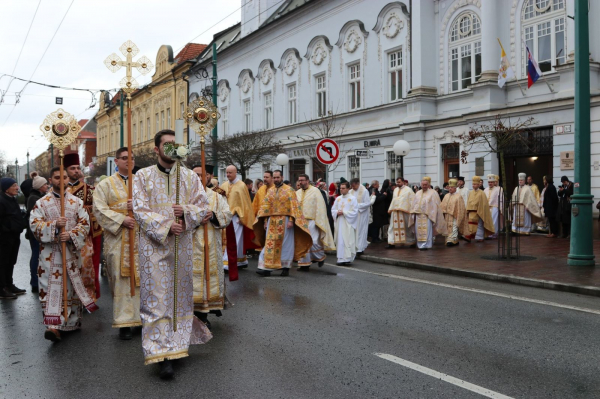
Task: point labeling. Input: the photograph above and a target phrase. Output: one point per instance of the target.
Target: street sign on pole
(364, 154)
(327, 151)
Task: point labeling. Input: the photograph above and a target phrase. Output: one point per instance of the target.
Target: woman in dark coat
(550, 205)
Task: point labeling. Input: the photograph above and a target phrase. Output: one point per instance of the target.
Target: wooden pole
(206, 246)
(132, 268)
(175, 275)
(63, 243)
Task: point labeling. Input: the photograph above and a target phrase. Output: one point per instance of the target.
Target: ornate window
(225, 120)
(157, 122)
(354, 80)
(292, 104)
(247, 116)
(162, 120)
(268, 111)
(395, 75)
(134, 134)
(141, 131)
(544, 32)
(321, 95)
(465, 51)
(148, 134)
(168, 118)
(353, 167)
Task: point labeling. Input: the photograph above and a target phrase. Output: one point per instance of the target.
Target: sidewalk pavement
(548, 270)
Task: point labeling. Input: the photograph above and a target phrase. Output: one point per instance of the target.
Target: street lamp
(17, 169)
(401, 149)
(28, 163)
(282, 160)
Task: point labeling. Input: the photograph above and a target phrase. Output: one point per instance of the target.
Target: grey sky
(90, 32)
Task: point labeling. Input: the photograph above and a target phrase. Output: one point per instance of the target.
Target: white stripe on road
(457, 287)
(444, 377)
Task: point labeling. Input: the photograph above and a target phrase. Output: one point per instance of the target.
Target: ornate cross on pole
(113, 62)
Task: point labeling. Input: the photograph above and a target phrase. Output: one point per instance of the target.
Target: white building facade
(422, 71)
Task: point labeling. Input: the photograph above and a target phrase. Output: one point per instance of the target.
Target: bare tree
(245, 149)
(496, 137)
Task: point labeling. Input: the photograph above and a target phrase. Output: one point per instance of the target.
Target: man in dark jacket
(11, 226)
(379, 212)
(550, 205)
(38, 190)
(565, 191)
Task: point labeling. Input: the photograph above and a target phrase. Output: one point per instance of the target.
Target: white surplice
(364, 204)
(345, 227)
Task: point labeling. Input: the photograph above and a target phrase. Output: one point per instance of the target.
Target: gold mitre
(491, 178)
(476, 179)
(497, 177)
(426, 178)
(453, 183)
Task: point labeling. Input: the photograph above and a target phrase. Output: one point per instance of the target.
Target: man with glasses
(111, 207)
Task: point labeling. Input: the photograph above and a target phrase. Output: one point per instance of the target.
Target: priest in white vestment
(495, 196)
(169, 326)
(345, 217)
(363, 200)
(426, 215)
(524, 207)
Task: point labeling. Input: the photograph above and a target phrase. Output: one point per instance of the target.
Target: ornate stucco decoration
(291, 64)
(353, 40)
(393, 25)
(448, 136)
(246, 84)
(266, 75)
(223, 94)
(319, 54)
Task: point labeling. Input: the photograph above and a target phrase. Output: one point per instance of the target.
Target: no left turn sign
(327, 151)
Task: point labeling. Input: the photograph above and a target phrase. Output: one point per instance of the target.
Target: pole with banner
(128, 84)
(61, 129)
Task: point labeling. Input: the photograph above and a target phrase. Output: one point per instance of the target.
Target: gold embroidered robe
(399, 210)
(478, 207)
(154, 194)
(454, 210)
(426, 206)
(217, 203)
(281, 202)
(314, 208)
(110, 209)
(526, 202)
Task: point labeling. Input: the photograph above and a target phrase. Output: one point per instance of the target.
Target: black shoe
(389, 246)
(204, 319)
(16, 290)
(52, 335)
(413, 246)
(303, 268)
(359, 253)
(5, 293)
(263, 273)
(423, 249)
(166, 370)
(125, 333)
(285, 272)
(35, 290)
(242, 266)
(321, 263)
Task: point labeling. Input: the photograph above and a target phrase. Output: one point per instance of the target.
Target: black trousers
(9, 250)
(554, 226)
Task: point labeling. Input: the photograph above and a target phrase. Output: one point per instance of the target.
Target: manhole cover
(521, 258)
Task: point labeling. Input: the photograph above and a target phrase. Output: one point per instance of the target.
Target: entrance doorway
(451, 159)
(297, 168)
(318, 170)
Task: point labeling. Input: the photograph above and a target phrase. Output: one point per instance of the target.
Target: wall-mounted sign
(59, 100)
(480, 166)
(567, 160)
(372, 143)
(363, 154)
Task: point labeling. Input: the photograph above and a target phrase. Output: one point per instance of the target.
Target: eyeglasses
(126, 158)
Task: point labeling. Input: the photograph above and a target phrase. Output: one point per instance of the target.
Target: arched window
(543, 24)
(465, 51)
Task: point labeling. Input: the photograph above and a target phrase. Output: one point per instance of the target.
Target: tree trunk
(505, 210)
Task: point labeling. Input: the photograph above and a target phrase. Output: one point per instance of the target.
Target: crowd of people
(190, 231)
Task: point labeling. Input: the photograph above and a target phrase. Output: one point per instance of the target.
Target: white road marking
(444, 377)
(457, 287)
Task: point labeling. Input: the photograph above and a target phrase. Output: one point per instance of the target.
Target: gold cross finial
(143, 65)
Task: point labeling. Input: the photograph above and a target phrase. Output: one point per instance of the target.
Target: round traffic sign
(327, 151)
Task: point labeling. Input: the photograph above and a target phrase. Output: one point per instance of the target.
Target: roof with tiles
(189, 52)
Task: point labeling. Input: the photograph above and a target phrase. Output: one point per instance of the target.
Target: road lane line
(457, 287)
(444, 377)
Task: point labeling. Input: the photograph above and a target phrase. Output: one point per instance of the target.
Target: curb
(504, 278)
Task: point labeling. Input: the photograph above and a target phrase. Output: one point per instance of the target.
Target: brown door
(450, 156)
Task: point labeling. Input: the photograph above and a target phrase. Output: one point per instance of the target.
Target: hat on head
(564, 179)
(38, 182)
(70, 160)
(497, 177)
(452, 183)
(491, 178)
(332, 189)
(209, 168)
(426, 178)
(342, 180)
(476, 179)
(522, 176)
(6, 183)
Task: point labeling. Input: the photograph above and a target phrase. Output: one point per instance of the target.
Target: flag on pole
(533, 70)
(505, 71)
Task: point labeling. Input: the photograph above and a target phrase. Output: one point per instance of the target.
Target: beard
(165, 158)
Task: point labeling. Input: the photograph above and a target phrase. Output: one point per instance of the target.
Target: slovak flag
(533, 70)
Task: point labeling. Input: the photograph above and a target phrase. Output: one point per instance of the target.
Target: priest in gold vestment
(280, 228)
(524, 207)
(399, 231)
(455, 214)
(426, 215)
(217, 219)
(479, 215)
(162, 298)
(240, 229)
(314, 209)
(260, 195)
(110, 208)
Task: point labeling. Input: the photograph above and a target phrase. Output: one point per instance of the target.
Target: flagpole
(549, 86)
(517, 80)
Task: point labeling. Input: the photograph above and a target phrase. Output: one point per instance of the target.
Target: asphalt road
(366, 331)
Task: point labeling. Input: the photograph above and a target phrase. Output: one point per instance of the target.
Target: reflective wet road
(367, 331)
